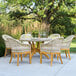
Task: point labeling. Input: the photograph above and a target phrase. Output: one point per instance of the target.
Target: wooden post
(60, 59)
(17, 59)
(21, 57)
(66, 53)
(40, 58)
(5, 52)
(10, 58)
(69, 54)
(51, 58)
(30, 57)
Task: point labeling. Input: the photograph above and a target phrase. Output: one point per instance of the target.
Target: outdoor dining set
(27, 44)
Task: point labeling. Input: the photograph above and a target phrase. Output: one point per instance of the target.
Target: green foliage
(59, 29)
(73, 46)
(57, 13)
(35, 33)
(2, 45)
(41, 12)
(75, 30)
(60, 15)
(23, 30)
(17, 36)
(65, 18)
(16, 14)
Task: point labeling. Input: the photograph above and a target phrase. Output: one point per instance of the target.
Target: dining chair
(24, 36)
(18, 49)
(65, 46)
(52, 47)
(54, 36)
(8, 47)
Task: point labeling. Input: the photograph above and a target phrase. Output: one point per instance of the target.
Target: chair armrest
(66, 41)
(22, 43)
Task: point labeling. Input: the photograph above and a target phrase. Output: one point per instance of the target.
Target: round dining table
(32, 42)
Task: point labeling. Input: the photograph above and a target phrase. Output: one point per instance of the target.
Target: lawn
(73, 46)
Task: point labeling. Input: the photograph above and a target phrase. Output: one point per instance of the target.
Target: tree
(66, 17)
(45, 11)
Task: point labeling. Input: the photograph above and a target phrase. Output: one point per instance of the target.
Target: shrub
(2, 46)
(35, 33)
(17, 36)
(59, 29)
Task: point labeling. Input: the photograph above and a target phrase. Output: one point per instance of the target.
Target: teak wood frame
(6, 52)
(67, 51)
(51, 53)
(20, 53)
(34, 50)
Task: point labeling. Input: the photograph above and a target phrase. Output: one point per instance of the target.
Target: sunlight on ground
(73, 45)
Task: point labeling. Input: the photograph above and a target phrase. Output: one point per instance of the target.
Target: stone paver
(68, 68)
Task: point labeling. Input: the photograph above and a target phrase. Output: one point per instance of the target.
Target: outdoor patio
(68, 67)
(37, 37)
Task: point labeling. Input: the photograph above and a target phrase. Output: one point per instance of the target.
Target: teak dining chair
(18, 49)
(7, 45)
(65, 46)
(52, 47)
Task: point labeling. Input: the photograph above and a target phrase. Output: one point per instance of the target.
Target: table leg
(44, 53)
(33, 54)
(33, 49)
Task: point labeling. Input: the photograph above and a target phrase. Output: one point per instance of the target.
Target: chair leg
(30, 57)
(21, 57)
(60, 59)
(46, 55)
(57, 56)
(40, 58)
(69, 54)
(51, 58)
(17, 59)
(14, 56)
(54, 55)
(5, 52)
(66, 53)
(10, 58)
(25, 55)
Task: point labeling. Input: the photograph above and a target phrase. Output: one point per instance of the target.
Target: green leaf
(44, 15)
(41, 12)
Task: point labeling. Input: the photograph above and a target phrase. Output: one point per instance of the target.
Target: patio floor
(68, 68)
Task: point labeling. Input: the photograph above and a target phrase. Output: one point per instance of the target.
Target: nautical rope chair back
(65, 46)
(52, 47)
(13, 42)
(54, 36)
(18, 49)
(16, 43)
(25, 36)
(67, 41)
(6, 41)
(7, 45)
(56, 44)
